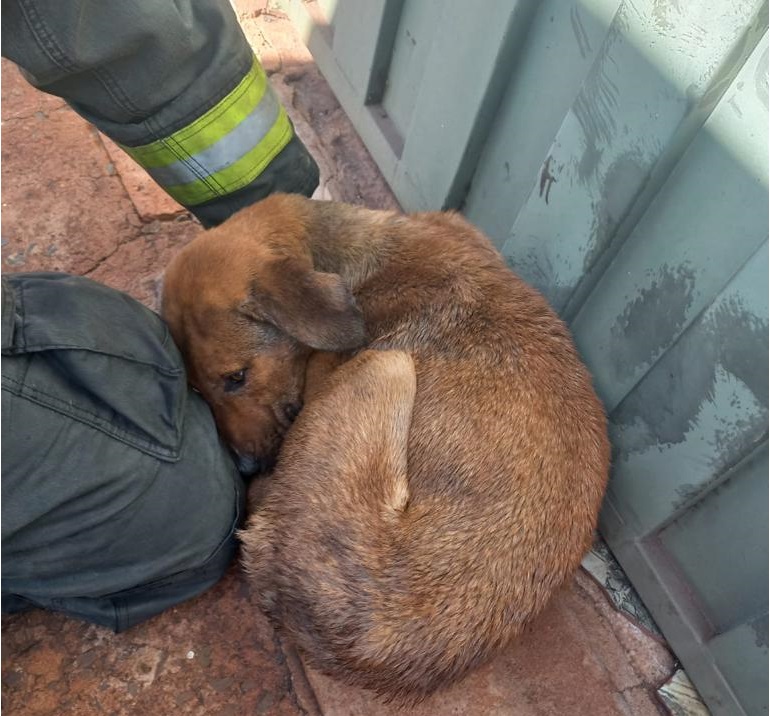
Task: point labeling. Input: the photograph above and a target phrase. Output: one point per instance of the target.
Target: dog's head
(246, 307)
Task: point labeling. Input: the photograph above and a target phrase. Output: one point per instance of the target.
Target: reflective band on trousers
(223, 150)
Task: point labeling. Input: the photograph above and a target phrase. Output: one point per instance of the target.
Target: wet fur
(442, 482)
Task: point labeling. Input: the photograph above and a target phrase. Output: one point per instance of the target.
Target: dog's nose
(291, 411)
(249, 465)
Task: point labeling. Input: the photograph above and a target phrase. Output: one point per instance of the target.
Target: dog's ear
(315, 308)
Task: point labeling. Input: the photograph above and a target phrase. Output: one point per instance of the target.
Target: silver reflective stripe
(227, 150)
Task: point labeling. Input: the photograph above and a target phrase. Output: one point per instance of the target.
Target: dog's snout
(249, 465)
(254, 439)
(291, 411)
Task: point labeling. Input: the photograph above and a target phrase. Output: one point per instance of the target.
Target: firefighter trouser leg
(176, 84)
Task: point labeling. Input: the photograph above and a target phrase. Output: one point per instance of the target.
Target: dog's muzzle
(250, 465)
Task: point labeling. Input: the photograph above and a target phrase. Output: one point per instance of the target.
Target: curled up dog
(444, 476)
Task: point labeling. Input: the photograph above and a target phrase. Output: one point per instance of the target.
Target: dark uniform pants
(118, 499)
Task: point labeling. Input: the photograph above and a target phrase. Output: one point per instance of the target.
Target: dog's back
(445, 482)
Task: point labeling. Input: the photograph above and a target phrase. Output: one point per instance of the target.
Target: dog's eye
(233, 381)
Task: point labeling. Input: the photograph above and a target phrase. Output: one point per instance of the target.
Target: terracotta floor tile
(212, 655)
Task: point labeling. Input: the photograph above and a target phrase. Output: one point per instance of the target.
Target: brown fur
(438, 486)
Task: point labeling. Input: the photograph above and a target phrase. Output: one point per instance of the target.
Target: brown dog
(439, 485)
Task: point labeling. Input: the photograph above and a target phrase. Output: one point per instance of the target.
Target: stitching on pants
(50, 46)
(56, 404)
(46, 42)
(159, 132)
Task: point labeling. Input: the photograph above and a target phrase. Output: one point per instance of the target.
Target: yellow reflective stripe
(209, 127)
(228, 150)
(241, 172)
(203, 160)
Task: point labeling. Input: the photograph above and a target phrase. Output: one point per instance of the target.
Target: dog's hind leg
(362, 417)
(320, 548)
(345, 454)
(348, 444)
(390, 378)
